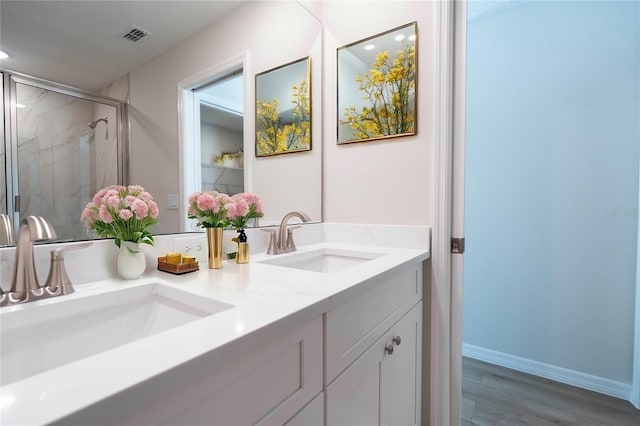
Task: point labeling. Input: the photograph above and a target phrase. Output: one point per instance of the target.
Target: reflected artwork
(283, 109)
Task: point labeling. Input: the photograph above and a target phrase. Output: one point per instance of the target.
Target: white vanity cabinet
(383, 386)
(270, 385)
(373, 347)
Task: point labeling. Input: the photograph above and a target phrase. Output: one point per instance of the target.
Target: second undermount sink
(326, 260)
(36, 339)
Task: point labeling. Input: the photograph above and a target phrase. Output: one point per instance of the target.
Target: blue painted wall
(552, 183)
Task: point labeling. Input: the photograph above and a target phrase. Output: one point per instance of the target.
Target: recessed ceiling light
(370, 47)
(412, 37)
(3, 55)
(20, 106)
(399, 37)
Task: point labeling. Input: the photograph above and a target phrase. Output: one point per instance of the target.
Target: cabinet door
(382, 388)
(404, 384)
(311, 415)
(354, 397)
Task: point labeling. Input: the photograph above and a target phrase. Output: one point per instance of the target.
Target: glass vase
(131, 260)
(214, 243)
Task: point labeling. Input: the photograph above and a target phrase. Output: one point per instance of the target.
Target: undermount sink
(324, 260)
(39, 338)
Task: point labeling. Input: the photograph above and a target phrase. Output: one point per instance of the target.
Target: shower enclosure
(60, 146)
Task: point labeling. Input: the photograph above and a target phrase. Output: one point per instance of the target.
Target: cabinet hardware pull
(389, 349)
(397, 340)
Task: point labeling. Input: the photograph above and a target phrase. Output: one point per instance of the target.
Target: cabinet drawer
(354, 326)
(267, 386)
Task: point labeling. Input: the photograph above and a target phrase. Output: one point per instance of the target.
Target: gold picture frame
(377, 81)
(283, 109)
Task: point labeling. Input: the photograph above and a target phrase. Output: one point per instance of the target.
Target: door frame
(445, 371)
(189, 128)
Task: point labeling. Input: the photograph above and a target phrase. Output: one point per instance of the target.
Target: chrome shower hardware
(92, 125)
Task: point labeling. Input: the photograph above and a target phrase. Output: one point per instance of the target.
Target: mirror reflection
(63, 146)
(221, 134)
(147, 86)
(283, 109)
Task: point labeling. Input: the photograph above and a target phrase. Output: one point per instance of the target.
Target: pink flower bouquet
(243, 207)
(209, 209)
(122, 212)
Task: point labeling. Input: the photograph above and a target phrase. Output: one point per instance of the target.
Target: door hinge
(457, 245)
(16, 203)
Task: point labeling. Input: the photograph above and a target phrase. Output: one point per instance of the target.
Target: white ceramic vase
(131, 261)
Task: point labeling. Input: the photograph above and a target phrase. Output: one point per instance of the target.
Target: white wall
(284, 182)
(388, 181)
(552, 184)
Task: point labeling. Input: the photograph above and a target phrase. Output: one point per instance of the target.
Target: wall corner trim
(559, 374)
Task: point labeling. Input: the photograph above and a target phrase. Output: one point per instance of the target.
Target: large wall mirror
(245, 33)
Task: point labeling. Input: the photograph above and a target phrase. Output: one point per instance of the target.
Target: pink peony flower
(125, 214)
(153, 209)
(135, 189)
(208, 202)
(237, 208)
(97, 199)
(129, 200)
(104, 214)
(140, 208)
(113, 201)
(89, 214)
(193, 197)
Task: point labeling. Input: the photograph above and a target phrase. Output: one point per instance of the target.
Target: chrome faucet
(25, 286)
(283, 242)
(25, 282)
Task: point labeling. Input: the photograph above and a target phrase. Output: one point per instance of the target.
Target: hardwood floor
(493, 396)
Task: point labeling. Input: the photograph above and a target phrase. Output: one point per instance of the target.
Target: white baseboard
(548, 371)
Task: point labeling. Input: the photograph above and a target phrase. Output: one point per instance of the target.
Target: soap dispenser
(243, 247)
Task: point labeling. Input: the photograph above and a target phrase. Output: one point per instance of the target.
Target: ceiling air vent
(134, 34)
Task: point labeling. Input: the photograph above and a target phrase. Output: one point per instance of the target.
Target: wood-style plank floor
(494, 396)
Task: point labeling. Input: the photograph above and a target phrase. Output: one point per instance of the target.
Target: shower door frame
(9, 99)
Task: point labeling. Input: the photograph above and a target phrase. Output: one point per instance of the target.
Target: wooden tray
(179, 269)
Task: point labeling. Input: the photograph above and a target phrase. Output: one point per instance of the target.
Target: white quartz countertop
(265, 299)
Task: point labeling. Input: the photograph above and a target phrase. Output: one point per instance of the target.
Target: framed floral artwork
(283, 109)
(377, 86)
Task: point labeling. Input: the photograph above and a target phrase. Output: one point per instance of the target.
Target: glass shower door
(3, 156)
(66, 149)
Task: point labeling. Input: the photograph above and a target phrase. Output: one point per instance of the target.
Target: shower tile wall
(56, 156)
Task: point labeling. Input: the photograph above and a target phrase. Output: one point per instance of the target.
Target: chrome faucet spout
(25, 280)
(285, 244)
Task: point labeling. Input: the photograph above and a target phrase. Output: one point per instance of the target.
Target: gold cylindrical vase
(214, 241)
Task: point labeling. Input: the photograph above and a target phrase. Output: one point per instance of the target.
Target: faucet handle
(57, 273)
(291, 246)
(273, 247)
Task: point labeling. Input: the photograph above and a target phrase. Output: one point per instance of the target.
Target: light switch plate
(172, 202)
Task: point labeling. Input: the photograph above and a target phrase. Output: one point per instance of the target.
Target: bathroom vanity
(330, 334)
